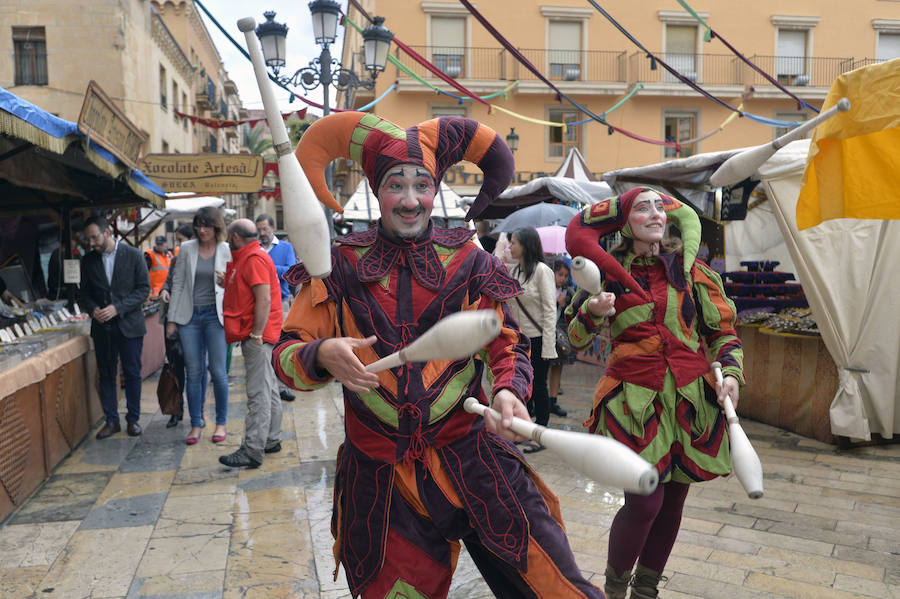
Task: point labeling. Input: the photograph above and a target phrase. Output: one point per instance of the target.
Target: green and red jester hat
(377, 145)
(588, 226)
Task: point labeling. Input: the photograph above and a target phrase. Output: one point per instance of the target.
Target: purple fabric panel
(498, 166)
(306, 355)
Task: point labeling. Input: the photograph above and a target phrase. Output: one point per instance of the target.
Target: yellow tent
(853, 169)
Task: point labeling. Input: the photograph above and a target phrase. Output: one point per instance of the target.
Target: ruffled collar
(419, 253)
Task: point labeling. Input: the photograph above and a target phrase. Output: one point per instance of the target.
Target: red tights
(645, 528)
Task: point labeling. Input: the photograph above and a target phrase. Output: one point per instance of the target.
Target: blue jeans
(203, 339)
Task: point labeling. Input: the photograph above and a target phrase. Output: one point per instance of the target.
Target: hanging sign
(105, 123)
(205, 173)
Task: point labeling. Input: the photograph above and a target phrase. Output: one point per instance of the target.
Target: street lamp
(324, 70)
(512, 139)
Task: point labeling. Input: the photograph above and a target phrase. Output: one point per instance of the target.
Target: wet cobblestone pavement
(151, 517)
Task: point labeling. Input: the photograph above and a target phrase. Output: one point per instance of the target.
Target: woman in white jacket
(196, 308)
(535, 311)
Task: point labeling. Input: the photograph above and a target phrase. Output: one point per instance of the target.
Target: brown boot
(616, 586)
(644, 583)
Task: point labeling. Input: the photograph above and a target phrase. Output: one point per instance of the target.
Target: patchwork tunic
(658, 395)
(416, 472)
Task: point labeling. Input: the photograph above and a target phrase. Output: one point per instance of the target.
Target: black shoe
(559, 391)
(274, 449)
(173, 421)
(109, 429)
(239, 459)
(558, 411)
(134, 429)
(286, 395)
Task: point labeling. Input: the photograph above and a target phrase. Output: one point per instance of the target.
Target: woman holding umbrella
(535, 311)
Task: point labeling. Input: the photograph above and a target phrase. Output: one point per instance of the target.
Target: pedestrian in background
(159, 259)
(564, 294)
(114, 285)
(282, 254)
(535, 311)
(253, 317)
(195, 312)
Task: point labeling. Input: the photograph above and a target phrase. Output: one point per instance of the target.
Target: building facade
(805, 45)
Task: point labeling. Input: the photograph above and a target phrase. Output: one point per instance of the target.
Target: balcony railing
(611, 66)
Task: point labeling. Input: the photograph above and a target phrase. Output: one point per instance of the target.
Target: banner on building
(205, 173)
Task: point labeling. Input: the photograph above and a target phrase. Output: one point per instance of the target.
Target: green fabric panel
(610, 216)
(640, 405)
(673, 321)
(357, 139)
(454, 391)
(385, 126)
(287, 364)
(630, 317)
(404, 590)
(579, 335)
(688, 223)
(380, 408)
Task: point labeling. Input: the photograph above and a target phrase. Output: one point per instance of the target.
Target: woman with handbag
(535, 311)
(195, 311)
(564, 294)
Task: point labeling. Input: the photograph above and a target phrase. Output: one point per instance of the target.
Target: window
(448, 43)
(184, 108)
(560, 142)
(793, 48)
(795, 116)
(213, 144)
(165, 147)
(681, 47)
(564, 55)
(30, 55)
(439, 111)
(162, 88)
(679, 127)
(174, 100)
(888, 46)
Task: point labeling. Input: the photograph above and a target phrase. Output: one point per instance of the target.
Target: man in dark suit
(114, 284)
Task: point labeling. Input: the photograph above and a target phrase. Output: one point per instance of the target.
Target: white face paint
(647, 219)
(406, 195)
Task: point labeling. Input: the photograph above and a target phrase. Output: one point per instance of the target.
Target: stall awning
(45, 161)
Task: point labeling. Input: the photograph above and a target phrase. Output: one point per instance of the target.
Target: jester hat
(378, 145)
(588, 226)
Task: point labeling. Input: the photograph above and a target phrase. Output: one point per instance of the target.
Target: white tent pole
(368, 200)
(443, 204)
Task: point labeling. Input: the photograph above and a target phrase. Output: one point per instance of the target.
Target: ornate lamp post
(512, 139)
(324, 70)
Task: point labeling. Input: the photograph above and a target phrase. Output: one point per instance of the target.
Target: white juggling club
(744, 460)
(600, 458)
(586, 275)
(740, 166)
(304, 218)
(459, 335)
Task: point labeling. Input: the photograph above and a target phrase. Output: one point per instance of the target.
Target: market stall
(48, 396)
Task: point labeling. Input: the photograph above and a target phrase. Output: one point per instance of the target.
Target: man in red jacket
(252, 313)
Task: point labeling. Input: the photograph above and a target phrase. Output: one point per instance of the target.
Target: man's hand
(106, 314)
(729, 387)
(336, 356)
(506, 402)
(97, 313)
(164, 296)
(171, 329)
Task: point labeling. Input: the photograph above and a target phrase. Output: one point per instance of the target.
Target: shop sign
(205, 173)
(102, 121)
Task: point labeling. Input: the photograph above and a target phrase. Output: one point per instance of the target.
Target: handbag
(563, 348)
(168, 392)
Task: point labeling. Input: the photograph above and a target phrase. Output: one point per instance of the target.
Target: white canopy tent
(177, 208)
(847, 269)
(363, 205)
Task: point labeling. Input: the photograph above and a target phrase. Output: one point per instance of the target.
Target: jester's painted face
(647, 219)
(406, 196)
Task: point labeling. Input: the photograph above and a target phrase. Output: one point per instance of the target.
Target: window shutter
(448, 35)
(888, 46)
(791, 52)
(565, 42)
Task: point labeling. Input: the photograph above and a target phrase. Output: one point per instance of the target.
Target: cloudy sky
(301, 47)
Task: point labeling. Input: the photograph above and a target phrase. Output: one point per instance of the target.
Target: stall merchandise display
(761, 286)
(795, 321)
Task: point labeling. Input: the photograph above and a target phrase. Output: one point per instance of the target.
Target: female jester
(666, 309)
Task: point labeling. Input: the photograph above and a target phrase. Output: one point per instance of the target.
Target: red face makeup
(647, 219)
(406, 196)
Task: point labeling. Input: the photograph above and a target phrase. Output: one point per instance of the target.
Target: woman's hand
(506, 402)
(164, 296)
(171, 328)
(729, 387)
(336, 356)
(602, 304)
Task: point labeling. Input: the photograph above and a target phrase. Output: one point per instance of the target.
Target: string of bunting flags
(223, 123)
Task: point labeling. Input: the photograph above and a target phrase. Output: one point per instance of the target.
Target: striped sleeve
(583, 326)
(508, 353)
(717, 317)
(310, 321)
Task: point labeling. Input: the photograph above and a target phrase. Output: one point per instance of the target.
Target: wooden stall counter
(791, 380)
(48, 404)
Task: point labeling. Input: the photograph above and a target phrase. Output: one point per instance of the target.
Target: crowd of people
(406, 484)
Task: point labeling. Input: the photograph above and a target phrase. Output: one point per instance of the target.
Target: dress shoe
(134, 429)
(274, 449)
(173, 421)
(239, 459)
(286, 395)
(556, 410)
(110, 428)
